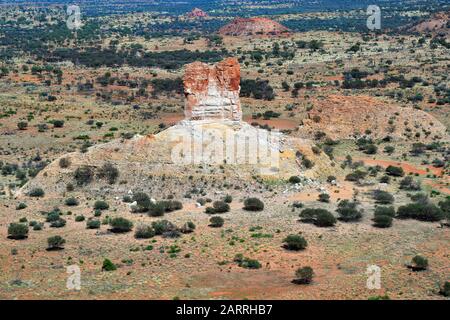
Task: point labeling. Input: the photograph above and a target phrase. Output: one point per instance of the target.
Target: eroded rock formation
(253, 26)
(213, 92)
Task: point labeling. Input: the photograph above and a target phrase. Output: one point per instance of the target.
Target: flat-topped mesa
(212, 93)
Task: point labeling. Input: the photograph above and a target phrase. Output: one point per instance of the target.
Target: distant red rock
(197, 13)
(253, 26)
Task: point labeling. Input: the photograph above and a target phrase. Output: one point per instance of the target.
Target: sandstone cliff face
(253, 26)
(213, 92)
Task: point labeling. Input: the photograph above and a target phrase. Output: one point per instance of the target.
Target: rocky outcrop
(197, 13)
(347, 117)
(253, 27)
(213, 92)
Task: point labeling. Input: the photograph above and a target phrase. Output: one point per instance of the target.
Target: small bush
(383, 197)
(108, 265)
(58, 223)
(221, 207)
(408, 183)
(294, 179)
(157, 209)
(109, 172)
(228, 199)
(17, 231)
(248, 263)
(21, 206)
(101, 205)
(295, 242)
(79, 218)
(303, 275)
(71, 202)
(420, 211)
(188, 227)
(253, 204)
(22, 125)
(395, 171)
(324, 218)
(55, 243)
(120, 224)
(144, 232)
(419, 263)
(36, 192)
(445, 290)
(320, 217)
(385, 211)
(93, 224)
(381, 221)
(216, 222)
(348, 211)
(83, 175)
(210, 210)
(163, 226)
(64, 163)
(324, 197)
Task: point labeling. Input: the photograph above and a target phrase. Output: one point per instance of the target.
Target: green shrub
(172, 205)
(93, 224)
(83, 175)
(53, 216)
(79, 218)
(445, 289)
(408, 183)
(142, 201)
(383, 197)
(420, 211)
(248, 263)
(64, 162)
(163, 226)
(22, 125)
(216, 221)
(108, 265)
(17, 231)
(157, 209)
(38, 226)
(348, 211)
(303, 275)
(58, 223)
(320, 217)
(294, 179)
(384, 211)
(295, 242)
(419, 263)
(221, 207)
(324, 197)
(324, 218)
(71, 202)
(120, 224)
(144, 232)
(188, 227)
(58, 123)
(101, 205)
(36, 192)
(21, 206)
(381, 221)
(210, 210)
(228, 199)
(109, 172)
(55, 243)
(253, 204)
(395, 171)
(127, 199)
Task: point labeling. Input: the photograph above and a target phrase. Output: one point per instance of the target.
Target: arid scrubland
(89, 121)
